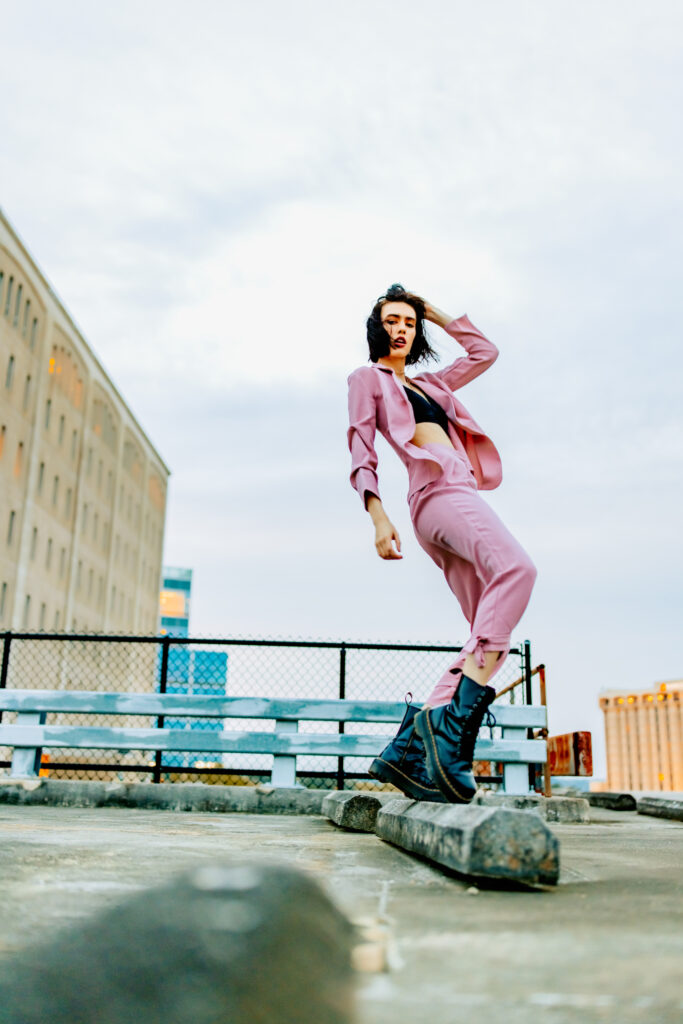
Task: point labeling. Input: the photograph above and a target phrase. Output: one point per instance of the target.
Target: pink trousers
(486, 568)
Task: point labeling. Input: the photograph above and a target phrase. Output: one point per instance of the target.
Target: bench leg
(515, 776)
(284, 766)
(26, 760)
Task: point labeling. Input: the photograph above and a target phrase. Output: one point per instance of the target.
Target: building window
(67, 509)
(48, 411)
(10, 527)
(95, 523)
(90, 579)
(3, 598)
(27, 392)
(60, 437)
(24, 326)
(8, 298)
(43, 612)
(62, 563)
(48, 556)
(41, 474)
(79, 571)
(74, 441)
(17, 306)
(88, 467)
(55, 490)
(9, 376)
(2, 279)
(3, 431)
(34, 542)
(110, 484)
(18, 462)
(27, 611)
(113, 599)
(34, 333)
(57, 619)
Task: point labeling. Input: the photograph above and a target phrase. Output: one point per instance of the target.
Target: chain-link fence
(236, 667)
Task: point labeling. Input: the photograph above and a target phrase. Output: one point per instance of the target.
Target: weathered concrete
(565, 809)
(482, 842)
(612, 801)
(604, 945)
(194, 950)
(355, 811)
(165, 796)
(660, 807)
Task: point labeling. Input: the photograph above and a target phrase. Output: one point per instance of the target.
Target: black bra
(426, 409)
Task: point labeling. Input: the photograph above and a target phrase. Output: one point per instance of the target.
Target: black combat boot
(402, 762)
(449, 735)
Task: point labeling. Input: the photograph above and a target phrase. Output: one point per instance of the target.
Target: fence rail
(220, 667)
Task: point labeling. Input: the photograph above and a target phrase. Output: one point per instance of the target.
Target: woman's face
(399, 322)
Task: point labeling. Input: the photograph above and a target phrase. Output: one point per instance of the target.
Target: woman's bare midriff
(430, 433)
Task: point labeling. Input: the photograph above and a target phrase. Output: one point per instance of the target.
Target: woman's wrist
(376, 511)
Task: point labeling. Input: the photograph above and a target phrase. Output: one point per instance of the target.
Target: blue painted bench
(29, 734)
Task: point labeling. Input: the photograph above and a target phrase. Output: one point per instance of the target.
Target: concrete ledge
(561, 809)
(661, 807)
(355, 811)
(224, 942)
(612, 801)
(484, 842)
(167, 796)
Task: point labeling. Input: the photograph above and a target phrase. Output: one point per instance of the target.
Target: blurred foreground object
(234, 942)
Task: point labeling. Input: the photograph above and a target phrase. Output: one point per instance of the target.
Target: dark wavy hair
(378, 337)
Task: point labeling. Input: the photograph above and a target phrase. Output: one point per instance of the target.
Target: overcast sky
(219, 191)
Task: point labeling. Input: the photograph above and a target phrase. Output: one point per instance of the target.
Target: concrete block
(237, 942)
(355, 811)
(166, 796)
(661, 807)
(474, 840)
(612, 801)
(561, 809)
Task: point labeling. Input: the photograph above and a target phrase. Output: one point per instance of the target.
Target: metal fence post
(528, 696)
(528, 699)
(163, 678)
(341, 725)
(4, 671)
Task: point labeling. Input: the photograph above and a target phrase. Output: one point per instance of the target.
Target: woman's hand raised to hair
(436, 316)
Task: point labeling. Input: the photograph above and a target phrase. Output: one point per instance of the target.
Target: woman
(448, 458)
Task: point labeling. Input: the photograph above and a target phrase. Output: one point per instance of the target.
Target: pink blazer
(377, 401)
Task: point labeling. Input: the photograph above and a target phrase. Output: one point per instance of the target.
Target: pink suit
(486, 568)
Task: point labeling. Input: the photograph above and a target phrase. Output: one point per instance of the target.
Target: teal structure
(190, 671)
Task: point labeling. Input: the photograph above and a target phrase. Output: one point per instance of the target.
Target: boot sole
(385, 772)
(423, 728)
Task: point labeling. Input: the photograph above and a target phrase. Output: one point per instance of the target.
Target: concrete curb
(660, 807)
(167, 796)
(227, 941)
(354, 811)
(612, 801)
(478, 841)
(561, 809)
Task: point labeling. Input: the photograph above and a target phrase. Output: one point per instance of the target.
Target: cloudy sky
(218, 192)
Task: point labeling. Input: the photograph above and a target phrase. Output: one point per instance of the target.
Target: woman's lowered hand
(386, 536)
(387, 540)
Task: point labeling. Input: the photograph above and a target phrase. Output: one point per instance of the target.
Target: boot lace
(470, 730)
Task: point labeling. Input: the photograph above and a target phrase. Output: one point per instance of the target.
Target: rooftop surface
(605, 945)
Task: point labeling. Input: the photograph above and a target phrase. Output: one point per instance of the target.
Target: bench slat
(331, 744)
(190, 706)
